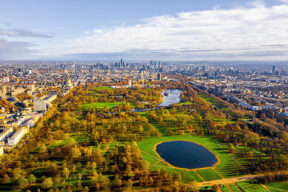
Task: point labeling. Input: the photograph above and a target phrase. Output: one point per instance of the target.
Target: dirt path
(230, 180)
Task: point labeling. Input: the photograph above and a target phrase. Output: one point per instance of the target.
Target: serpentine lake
(172, 97)
(185, 154)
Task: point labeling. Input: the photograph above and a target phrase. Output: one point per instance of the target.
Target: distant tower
(159, 65)
(273, 69)
(121, 63)
(159, 77)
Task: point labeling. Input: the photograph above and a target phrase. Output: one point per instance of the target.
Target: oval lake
(186, 154)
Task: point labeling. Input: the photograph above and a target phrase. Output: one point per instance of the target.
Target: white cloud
(8, 49)
(22, 33)
(239, 33)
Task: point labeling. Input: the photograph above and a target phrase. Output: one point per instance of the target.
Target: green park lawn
(101, 105)
(102, 88)
(278, 186)
(185, 103)
(249, 187)
(208, 174)
(235, 188)
(212, 101)
(225, 189)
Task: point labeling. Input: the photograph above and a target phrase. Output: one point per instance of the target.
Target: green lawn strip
(63, 142)
(250, 187)
(226, 168)
(211, 101)
(208, 174)
(147, 146)
(225, 189)
(105, 147)
(102, 88)
(158, 127)
(278, 186)
(185, 103)
(58, 143)
(235, 188)
(101, 105)
(227, 165)
(187, 176)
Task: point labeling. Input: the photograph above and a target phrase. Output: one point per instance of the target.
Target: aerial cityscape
(144, 96)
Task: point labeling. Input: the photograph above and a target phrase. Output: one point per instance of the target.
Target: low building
(40, 105)
(17, 136)
(6, 133)
(51, 98)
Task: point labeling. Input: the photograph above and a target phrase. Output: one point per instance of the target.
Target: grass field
(208, 174)
(249, 187)
(185, 103)
(225, 189)
(278, 186)
(223, 168)
(102, 88)
(212, 101)
(100, 105)
(235, 188)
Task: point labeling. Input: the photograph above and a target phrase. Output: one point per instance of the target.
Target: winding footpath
(231, 180)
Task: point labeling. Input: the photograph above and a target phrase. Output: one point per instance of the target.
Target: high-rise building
(159, 64)
(121, 63)
(159, 77)
(273, 69)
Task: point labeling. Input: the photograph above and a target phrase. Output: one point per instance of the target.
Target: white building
(51, 98)
(39, 105)
(17, 136)
(6, 133)
(3, 91)
(6, 79)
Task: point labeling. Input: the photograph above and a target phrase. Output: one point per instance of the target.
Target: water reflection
(185, 154)
(172, 97)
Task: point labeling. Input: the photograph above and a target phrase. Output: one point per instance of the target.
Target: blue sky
(144, 29)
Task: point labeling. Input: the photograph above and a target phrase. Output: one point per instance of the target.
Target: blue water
(186, 154)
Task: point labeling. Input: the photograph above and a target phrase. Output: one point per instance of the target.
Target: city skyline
(222, 30)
